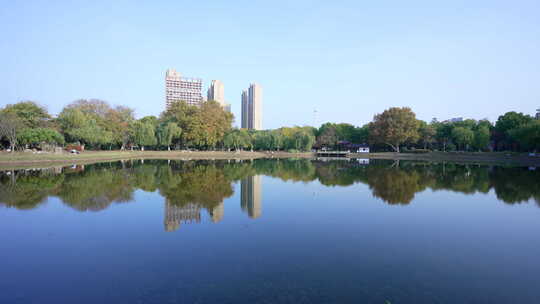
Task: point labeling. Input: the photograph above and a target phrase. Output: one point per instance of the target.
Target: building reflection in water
(251, 195)
(176, 215)
(250, 202)
(217, 213)
(206, 185)
(188, 214)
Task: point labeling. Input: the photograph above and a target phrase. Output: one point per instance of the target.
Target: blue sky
(348, 60)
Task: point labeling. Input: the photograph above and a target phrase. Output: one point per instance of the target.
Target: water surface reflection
(270, 231)
(189, 187)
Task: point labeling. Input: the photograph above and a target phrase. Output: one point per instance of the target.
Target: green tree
(151, 119)
(528, 135)
(361, 134)
(327, 137)
(119, 120)
(443, 134)
(262, 140)
(95, 108)
(71, 118)
(329, 134)
(203, 126)
(188, 118)
(304, 140)
(427, 133)
(86, 121)
(394, 127)
(90, 133)
(29, 113)
(245, 139)
(34, 137)
(230, 140)
(277, 140)
(511, 120)
(238, 139)
(345, 131)
(145, 134)
(462, 137)
(481, 137)
(167, 132)
(505, 124)
(216, 121)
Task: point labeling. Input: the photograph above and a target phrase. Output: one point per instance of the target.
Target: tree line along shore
(180, 182)
(96, 125)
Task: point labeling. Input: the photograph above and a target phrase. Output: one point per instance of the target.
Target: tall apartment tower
(178, 88)
(538, 114)
(255, 106)
(252, 107)
(245, 110)
(216, 92)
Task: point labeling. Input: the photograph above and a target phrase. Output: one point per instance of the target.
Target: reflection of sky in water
(302, 242)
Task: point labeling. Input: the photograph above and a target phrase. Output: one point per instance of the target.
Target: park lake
(270, 231)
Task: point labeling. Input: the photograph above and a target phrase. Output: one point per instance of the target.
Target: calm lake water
(270, 231)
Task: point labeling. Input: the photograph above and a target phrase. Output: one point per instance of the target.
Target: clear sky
(348, 60)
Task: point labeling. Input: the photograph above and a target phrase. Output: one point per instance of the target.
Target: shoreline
(26, 159)
(486, 158)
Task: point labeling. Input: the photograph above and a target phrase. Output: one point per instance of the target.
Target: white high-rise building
(252, 107)
(178, 88)
(216, 92)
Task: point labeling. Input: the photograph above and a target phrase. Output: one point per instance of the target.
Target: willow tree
(145, 134)
(393, 127)
(167, 132)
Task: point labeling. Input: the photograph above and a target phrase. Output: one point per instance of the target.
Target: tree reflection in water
(191, 186)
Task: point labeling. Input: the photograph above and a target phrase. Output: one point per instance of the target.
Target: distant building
(362, 148)
(245, 110)
(251, 196)
(178, 88)
(255, 106)
(216, 92)
(344, 145)
(252, 107)
(457, 119)
(538, 114)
